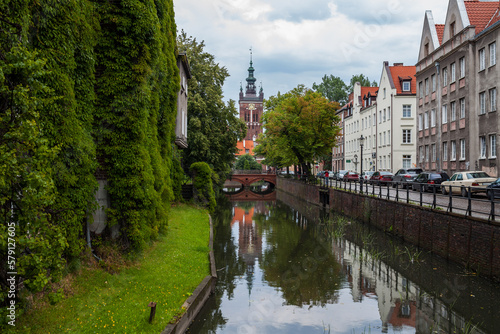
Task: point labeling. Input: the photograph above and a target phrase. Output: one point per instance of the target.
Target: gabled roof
(440, 32)
(480, 13)
(372, 90)
(401, 73)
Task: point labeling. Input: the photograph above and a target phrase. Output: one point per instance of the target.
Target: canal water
(294, 268)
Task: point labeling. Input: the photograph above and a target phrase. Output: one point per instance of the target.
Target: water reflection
(286, 270)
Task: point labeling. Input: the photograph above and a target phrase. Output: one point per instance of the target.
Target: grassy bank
(101, 302)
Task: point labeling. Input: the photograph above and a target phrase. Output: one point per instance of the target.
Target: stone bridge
(247, 179)
(248, 195)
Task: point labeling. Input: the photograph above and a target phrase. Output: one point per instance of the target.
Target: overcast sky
(298, 41)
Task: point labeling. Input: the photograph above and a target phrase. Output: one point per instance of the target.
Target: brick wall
(471, 242)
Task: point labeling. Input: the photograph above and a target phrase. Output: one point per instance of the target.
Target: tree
(247, 162)
(301, 125)
(333, 88)
(364, 81)
(213, 126)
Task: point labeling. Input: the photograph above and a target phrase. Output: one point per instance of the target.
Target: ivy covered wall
(86, 86)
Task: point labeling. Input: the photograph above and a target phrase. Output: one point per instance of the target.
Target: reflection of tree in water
(297, 261)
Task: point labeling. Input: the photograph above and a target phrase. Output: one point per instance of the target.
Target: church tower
(251, 107)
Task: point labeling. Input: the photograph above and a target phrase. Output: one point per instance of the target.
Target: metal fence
(473, 205)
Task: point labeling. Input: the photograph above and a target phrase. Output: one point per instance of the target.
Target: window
(374, 119)
(420, 122)
(427, 86)
(453, 150)
(406, 136)
(493, 53)
(421, 153)
(379, 116)
(406, 161)
(433, 82)
(426, 120)
(389, 137)
(420, 89)
(406, 86)
(426, 152)
(385, 139)
(482, 147)
(462, 107)
(445, 151)
(433, 118)
(482, 103)
(493, 99)
(493, 146)
(462, 149)
(453, 108)
(385, 115)
(445, 114)
(406, 110)
(452, 29)
(461, 63)
(452, 70)
(481, 60)
(433, 151)
(445, 77)
(388, 113)
(385, 93)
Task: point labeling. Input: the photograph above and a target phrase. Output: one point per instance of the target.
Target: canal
(295, 268)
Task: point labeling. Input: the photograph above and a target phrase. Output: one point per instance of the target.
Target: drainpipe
(392, 132)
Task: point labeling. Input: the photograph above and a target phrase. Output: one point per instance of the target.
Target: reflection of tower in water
(249, 240)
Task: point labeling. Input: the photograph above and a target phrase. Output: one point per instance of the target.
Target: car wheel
(443, 190)
(463, 191)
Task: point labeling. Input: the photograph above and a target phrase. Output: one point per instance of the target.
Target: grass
(166, 273)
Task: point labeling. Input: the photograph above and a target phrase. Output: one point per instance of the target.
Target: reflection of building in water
(400, 301)
(249, 240)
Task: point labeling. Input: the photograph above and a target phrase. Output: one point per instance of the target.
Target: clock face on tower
(251, 106)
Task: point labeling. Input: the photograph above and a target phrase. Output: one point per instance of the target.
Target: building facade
(182, 98)
(457, 81)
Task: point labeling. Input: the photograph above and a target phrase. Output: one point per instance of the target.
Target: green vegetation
(203, 176)
(301, 125)
(247, 162)
(213, 126)
(99, 301)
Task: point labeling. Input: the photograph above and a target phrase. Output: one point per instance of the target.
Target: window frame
(461, 63)
(492, 48)
(406, 110)
(407, 136)
(444, 114)
(482, 103)
(462, 149)
(462, 107)
(445, 151)
(453, 156)
(482, 147)
(453, 111)
(493, 146)
(493, 98)
(482, 60)
(453, 75)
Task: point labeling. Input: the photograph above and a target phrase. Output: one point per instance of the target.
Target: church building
(251, 109)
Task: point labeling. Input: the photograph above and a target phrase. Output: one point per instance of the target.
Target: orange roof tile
(249, 145)
(440, 32)
(480, 13)
(403, 72)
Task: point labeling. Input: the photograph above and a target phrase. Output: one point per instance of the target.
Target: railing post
(433, 197)
(492, 211)
(469, 204)
(397, 192)
(407, 194)
(421, 194)
(450, 203)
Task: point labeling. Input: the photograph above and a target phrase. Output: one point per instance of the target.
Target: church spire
(251, 79)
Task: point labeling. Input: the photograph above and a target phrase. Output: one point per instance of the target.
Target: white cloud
(298, 42)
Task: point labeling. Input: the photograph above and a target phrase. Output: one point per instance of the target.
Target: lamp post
(361, 139)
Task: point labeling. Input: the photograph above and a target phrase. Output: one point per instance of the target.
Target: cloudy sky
(298, 41)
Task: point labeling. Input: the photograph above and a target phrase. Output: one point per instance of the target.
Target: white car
(461, 182)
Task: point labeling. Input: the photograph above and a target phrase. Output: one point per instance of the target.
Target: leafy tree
(213, 126)
(364, 81)
(300, 126)
(333, 88)
(247, 162)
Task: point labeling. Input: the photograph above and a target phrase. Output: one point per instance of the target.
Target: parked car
(493, 190)
(340, 175)
(404, 176)
(320, 174)
(461, 182)
(428, 180)
(351, 176)
(381, 178)
(366, 175)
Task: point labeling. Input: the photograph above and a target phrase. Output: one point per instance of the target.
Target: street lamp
(361, 139)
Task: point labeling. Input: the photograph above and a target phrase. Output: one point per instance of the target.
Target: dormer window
(406, 86)
(452, 29)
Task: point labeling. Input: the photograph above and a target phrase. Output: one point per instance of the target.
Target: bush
(203, 186)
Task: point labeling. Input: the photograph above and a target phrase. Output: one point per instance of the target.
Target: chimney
(398, 64)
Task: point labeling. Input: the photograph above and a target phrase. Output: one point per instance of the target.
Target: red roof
(440, 32)
(400, 73)
(366, 90)
(495, 18)
(480, 13)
